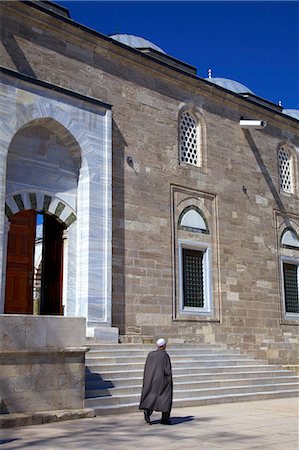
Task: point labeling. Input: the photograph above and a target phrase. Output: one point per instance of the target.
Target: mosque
(141, 197)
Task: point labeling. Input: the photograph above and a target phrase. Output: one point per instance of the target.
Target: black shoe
(147, 417)
(165, 422)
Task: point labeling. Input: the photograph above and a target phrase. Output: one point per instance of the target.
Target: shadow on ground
(175, 420)
(7, 441)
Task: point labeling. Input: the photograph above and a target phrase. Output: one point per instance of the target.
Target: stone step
(149, 347)
(211, 400)
(202, 374)
(94, 378)
(110, 372)
(185, 371)
(190, 363)
(108, 388)
(113, 399)
(37, 418)
(122, 359)
(143, 353)
(235, 397)
(245, 388)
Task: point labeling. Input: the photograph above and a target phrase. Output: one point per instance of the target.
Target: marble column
(94, 216)
(4, 241)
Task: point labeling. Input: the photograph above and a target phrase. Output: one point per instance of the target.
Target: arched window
(290, 272)
(285, 170)
(290, 239)
(192, 219)
(189, 139)
(194, 263)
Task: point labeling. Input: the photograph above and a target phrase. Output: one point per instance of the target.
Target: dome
(231, 85)
(292, 112)
(135, 41)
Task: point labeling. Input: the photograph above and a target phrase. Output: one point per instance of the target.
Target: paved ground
(265, 425)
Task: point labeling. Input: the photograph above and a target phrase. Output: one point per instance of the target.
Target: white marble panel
(70, 307)
(44, 159)
(26, 200)
(12, 205)
(34, 332)
(40, 200)
(53, 205)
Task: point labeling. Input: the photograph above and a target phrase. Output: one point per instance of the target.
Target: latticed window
(290, 272)
(291, 289)
(189, 139)
(285, 170)
(193, 278)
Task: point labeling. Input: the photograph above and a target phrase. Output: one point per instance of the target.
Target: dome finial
(210, 73)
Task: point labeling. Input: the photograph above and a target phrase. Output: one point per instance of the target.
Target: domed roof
(231, 85)
(292, 112)
(135, 41)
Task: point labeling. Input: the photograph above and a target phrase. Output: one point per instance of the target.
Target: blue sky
(253, 42)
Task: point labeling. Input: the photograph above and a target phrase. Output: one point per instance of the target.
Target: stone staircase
(202, 374)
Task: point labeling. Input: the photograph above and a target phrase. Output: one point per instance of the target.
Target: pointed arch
(193, 219)
(58, 129)
(84, 128)
(289, 238)
(58, 120)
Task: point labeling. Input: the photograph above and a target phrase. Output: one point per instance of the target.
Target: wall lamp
(254, 124)
(130, 161)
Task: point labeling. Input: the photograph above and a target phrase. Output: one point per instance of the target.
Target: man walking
(157, 386)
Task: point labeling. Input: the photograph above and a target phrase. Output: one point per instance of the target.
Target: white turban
(161, 342)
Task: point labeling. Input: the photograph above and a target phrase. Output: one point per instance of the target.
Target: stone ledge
(292, 367)
(38, 418)
(137, 339)
(44, 351)
(102, 334)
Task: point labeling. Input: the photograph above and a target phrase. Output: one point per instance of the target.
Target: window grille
(291, 295)
(189, 139)
(193, 284)
(285, 174)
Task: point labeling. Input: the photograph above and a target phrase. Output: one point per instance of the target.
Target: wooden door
(20, 263)
(52, 266)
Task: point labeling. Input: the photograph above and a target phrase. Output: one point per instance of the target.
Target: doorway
(34, 274)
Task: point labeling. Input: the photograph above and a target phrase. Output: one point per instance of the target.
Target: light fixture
(254, 124)
(130, 161)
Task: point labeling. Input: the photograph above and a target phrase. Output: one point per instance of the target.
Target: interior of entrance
(34, 274)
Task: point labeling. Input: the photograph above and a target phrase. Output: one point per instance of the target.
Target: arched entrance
(34, 274)
(58, 151)
(43, 164)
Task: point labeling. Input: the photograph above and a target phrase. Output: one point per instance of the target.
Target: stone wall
(238, 171)
(42, 362)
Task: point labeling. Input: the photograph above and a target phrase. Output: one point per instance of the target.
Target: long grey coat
(157, 382)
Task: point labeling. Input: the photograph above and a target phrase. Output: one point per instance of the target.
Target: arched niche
(290, 239)
(193, 219)
(43, 156)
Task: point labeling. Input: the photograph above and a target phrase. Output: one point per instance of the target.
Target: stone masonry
(236, 186)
